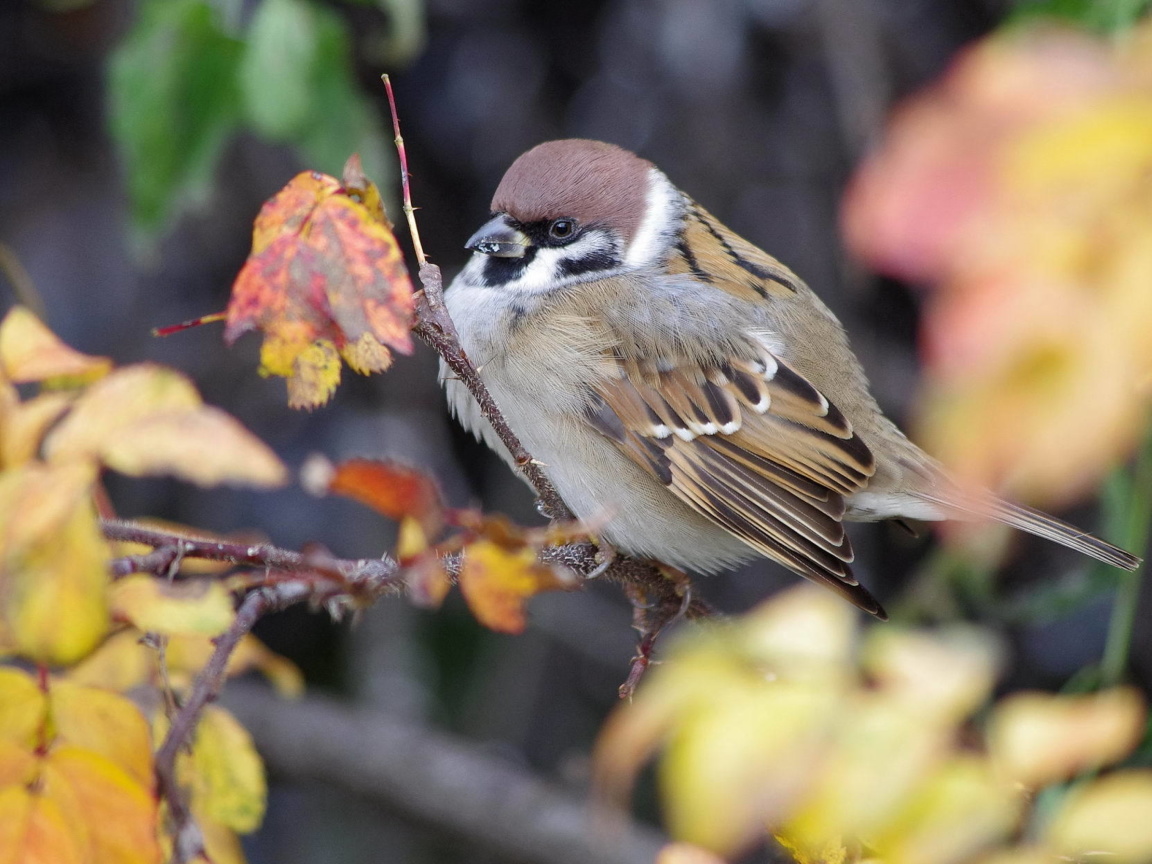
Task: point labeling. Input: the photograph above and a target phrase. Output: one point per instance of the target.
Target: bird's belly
(623, 503)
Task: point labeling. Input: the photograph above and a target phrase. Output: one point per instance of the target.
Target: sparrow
(683, 390)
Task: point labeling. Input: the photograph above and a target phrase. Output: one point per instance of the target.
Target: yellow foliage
(1020, 187)
(189, 606)
(840, 753)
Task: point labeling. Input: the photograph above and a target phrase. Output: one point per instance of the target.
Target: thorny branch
(187, 839)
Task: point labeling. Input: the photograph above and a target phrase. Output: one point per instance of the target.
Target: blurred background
(137, 143)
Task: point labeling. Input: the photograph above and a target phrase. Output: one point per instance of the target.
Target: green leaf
(299, 87)
(280, 62)
(173, 104)
(344, 122)
(1103, 16)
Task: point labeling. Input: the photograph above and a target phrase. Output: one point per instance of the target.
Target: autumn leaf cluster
(1018, 188)
(76, 754)
(853, 748)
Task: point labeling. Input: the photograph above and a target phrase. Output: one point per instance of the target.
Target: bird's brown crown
(590, 181)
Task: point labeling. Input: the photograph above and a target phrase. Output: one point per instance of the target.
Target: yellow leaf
(35, 830)
(1036, 738)
(187, 654)
(366, 355)
(123, 399)
(159, 606)
(104, 723)
(227, 774)
(831, 851)
(942, 677)
(805, 628)
(958, 810)
(1110, 818)
(145, 419)
(871, 769)
(220, 842)
(29, 351)
(119, 664)
(496, 582)
(685, 853)
(1022, 855)
(22, 708)
(315, 375)
(116, 814)
(18, 764)
(26, 423)
(742, 761)
(206, 446)
(53, 563)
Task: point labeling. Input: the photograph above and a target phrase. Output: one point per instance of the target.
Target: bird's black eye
(562, 229)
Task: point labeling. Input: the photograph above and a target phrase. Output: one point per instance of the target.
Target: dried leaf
(394, 490)
(325, 278)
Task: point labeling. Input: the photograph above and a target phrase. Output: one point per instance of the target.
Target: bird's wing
(752, 445)
(712, 253)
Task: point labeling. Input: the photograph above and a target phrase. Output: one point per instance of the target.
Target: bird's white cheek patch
(663, 210)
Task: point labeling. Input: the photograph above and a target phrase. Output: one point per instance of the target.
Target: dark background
(758, 108)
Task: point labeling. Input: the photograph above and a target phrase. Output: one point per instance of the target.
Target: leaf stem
(1128, 515)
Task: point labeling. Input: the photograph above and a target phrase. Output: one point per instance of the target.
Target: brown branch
(364, 579)
(435, 327)
(442, 781)
(187, 839)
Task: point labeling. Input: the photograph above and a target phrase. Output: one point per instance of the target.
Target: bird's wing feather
(749, 443)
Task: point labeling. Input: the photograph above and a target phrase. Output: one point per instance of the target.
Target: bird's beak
(499, 239)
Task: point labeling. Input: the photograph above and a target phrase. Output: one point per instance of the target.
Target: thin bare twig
(187, 839)
(409, 210)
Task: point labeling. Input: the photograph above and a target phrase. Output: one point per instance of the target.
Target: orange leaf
(394, 490)
(325, 270)
(35, 830)
(29, 351)
(18, 765)
(496, 582)
(116, 814)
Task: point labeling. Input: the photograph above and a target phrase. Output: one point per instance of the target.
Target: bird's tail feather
(1041, 524)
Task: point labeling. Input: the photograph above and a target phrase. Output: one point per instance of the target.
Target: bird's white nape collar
(663, 210)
